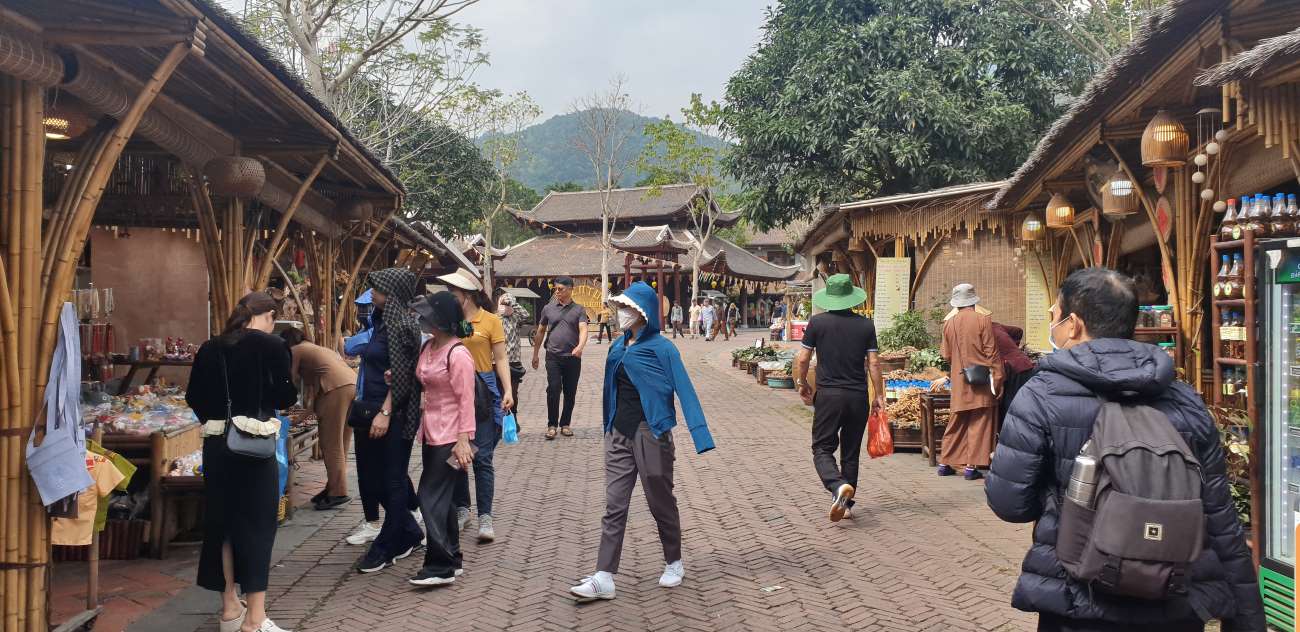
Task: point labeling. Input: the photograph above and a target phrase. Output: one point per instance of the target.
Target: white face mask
(1052, 340)
(627, 317)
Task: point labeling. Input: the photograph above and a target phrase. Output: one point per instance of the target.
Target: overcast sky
(558, 50)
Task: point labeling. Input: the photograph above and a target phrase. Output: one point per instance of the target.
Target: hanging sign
(1160, 175)
(893, 282)
(1164, 218)
(1038, 302)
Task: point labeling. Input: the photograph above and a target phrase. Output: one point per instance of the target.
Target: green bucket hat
(840, 293)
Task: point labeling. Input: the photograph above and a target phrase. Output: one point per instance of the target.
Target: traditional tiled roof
(782, 236)
(652, 239)
(732, 260)
(637, 205)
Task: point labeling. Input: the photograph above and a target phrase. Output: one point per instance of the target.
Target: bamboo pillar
(356, 264)
(264, 272)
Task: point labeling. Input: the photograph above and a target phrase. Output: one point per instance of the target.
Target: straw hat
(963, 295)
(462, 279)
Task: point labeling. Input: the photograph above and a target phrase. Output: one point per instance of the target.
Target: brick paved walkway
(923, 553)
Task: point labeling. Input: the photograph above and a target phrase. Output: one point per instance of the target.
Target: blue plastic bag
(510, 429)
(282, 453)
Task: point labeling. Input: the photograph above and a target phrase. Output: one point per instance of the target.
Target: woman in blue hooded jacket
(642, 373)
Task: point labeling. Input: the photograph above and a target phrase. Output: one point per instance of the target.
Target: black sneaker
(426, 578)
(403, 555)
(331, 502)
(373, 563)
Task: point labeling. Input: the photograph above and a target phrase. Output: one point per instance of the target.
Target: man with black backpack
(1122, 469)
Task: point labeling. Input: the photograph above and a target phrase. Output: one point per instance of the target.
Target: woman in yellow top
(488, 347)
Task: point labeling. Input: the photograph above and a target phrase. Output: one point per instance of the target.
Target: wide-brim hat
(839, 293)
(462, 279)
(439, 311)
(963, 295)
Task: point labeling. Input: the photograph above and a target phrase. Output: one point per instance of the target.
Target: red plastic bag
(880, 439)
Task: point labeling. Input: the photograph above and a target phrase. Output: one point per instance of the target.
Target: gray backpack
(1145, 523)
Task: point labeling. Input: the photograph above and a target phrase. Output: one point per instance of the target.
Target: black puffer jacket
(1048, 423)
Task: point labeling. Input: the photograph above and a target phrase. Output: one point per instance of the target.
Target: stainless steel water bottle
(1082, 488)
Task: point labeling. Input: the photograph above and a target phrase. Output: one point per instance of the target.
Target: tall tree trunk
(604, 235)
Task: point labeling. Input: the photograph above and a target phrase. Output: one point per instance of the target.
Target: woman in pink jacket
(445, 371)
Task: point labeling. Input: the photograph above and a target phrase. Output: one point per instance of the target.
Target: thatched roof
(1155, 42)
(925, 196)
(637, 205)
(1268, 53)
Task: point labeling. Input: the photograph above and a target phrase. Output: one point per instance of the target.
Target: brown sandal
(566, 432)
(550, 433)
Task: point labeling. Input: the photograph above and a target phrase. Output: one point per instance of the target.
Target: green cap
(840, 293)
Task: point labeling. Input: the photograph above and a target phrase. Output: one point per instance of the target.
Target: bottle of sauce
(1236, 278)
(1279, 223)
(1293, 212)
(1259, 216)
(1228, 230)
(1221, 279)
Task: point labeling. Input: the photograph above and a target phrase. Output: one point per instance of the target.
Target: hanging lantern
(1118, 198)
(1060, 213)
(64, 122)
(235, 176)
(1164, 142)
(1198, 177)
(857, 244)
(357, 208)
(1221, 135)
(1207, 194)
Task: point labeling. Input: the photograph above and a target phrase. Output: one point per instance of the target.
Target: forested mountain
(550, 156)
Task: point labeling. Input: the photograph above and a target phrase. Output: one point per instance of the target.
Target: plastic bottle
(1279, 225)
(1228, 228)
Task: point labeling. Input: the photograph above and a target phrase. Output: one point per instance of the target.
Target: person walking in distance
(642, 373)
(675, 317)
(845, 344)
(447, 425)
(1059, 409)
(487, 345)
(708, 319)
(733, 318)
(696, 315)
(603, 331)
(512, 314)
(240, 377)
(562, 329)
(334, 385)
(975, 375)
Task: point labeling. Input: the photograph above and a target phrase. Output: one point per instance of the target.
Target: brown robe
(971, 433)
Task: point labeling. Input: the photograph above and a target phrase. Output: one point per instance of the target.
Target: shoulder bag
(240, 442)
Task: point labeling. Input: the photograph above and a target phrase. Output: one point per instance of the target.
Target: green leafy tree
(503, 118)
(506, 230)
(674, 155)
(852, 98)
(568, 186)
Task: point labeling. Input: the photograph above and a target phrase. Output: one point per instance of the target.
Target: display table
(932, 434)
(155, 452)
(152, 365)
(301, 439)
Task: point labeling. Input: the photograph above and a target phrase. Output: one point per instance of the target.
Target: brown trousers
(335, 435)
(970, 437)
(652, 459)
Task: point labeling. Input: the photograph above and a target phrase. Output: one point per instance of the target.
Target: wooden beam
(286, 216)
(356, 266)
(330, 149)
(1166, 258)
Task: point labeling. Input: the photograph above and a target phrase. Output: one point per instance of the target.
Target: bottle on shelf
(1229, 229)
(1293, 406)
(1293, 212)
(1236, 278)
(1221, 279)
(1243, 395)
(1260, 216)
(1229, 388)
(1279, 224)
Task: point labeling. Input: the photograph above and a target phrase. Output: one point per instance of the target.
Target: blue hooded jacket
(655, 367)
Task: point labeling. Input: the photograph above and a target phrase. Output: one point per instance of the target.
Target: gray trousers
(652, 459)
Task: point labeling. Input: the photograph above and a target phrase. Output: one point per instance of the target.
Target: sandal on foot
(550, 433)
(566, 432)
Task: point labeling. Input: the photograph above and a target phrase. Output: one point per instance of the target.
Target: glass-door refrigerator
(1278, 265)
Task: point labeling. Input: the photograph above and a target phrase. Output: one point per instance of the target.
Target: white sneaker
(419, 517)
(673, 574)
(365, 534)
(235, 624)
(269, 626)
(598, 586)
(485, 531)
(462, 517)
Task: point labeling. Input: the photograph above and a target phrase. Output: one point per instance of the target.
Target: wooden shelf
(1230, 302)
(1236, 244)
(1230, 361)
(1156, 331)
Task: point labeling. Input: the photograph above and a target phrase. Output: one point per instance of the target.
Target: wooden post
(356, 265)
(264, 272)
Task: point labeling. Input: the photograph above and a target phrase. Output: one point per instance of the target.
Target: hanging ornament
(1201, 160)
(1219, 206)
(1211, 148)
(1198, 177)
(1221, 135)
(1207, 194)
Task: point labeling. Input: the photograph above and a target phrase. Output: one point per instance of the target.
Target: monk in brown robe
(968, 341)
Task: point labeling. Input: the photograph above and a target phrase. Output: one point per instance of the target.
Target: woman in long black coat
(249, 368)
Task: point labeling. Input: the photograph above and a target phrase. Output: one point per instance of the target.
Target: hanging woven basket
(1060, 212)
(1118, 198)
(235, 176)
(1032, 230)
(357, 209)
(1164, 142)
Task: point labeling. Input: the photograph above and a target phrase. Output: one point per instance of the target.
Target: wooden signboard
(1038, 300)
(893, 283)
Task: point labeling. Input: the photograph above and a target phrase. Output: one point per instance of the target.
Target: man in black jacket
(1047, 424)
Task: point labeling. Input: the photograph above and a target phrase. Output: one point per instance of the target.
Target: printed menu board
(893, 283)
(1038, 300)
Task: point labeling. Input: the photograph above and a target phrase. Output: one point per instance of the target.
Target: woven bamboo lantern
(857, 244)
(1032, 230)
(235, 176)
(1118, 198)
(357, 208)
(1164, 142)
(1060, 213)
